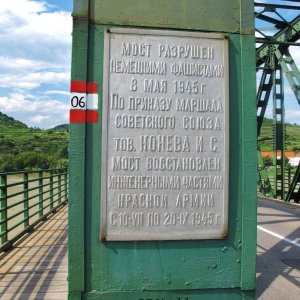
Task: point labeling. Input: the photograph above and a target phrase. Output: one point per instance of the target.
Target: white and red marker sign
(83, 102)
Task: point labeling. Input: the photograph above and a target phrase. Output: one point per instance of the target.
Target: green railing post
(51, 189)
(59, 187)
(3, 205)
(66, 185)
(41, 205)
(25, 199)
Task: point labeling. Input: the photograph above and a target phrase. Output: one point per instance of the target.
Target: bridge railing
(27, 198)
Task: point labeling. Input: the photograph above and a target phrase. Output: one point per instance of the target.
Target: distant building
(288, 154)
(291, 155)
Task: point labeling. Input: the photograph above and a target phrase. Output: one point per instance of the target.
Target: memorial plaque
(165, 136)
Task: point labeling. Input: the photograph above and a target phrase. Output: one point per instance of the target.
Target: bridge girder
(273, 59)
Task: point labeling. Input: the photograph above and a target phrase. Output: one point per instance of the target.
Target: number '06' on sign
(78, 101)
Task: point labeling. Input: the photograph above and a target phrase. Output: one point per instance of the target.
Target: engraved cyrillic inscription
(185, 51)
(149, 103)
(164, 143)
(125, 66)
(135, 49)
(165, 137)
(199, 105)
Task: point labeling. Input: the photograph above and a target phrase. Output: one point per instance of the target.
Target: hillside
(10, 122)
(22, 147)
(63, 127)
(292, 136)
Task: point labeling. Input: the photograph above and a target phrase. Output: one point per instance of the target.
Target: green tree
(268, 161)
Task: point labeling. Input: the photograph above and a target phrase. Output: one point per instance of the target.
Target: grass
(292, 133)
(23, 147)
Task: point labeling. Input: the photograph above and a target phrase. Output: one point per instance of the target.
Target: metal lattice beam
(274, 60)
(286, 37)
(294, 189)
(290, 70)
(278, 133)
(263, 95)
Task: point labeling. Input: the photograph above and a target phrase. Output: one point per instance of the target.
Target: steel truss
(273, 62)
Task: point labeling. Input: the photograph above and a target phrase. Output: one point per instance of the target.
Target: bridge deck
(37, 267)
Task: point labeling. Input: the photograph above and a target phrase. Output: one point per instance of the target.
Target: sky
(35, 55)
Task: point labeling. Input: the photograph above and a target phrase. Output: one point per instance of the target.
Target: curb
(289, 204)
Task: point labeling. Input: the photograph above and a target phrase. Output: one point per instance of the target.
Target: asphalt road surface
(278, 251)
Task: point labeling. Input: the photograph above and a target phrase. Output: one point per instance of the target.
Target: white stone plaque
(165, 136)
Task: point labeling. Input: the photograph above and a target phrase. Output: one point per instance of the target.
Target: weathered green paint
(81, 9)
(210, 15)
(77, 169)
(248, 163)
(232, 294)
(246, 16)
(210, 269)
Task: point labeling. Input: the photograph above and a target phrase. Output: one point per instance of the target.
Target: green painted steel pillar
(162, 187)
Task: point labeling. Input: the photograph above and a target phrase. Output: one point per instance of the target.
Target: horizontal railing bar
(15, 226)
(22, 221)
(44, 200)
(30, 190)
(3, 233)
(31, 172)
(32, 197)
(45, 208)
(13, 216)
(29, 217)
(32, 180)
(48, 198)
(13, 195)
(29, 207)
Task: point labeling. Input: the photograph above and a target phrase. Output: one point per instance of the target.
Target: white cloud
(34, 37)
(293, 116)
(37, 119)
(35, 57)
(295, 52)
(33, 80)
(21, 7)
(27, 104)
(35, 112)
(13, 64)
(53, 92)
(32, 19)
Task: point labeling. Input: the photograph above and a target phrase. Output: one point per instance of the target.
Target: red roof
(288, 154)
